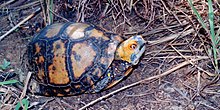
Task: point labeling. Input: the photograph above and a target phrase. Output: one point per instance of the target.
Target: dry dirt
(194, 86)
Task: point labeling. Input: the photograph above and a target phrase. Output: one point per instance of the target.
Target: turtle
(74, 58)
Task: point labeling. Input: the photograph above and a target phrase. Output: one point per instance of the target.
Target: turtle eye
(133, 46)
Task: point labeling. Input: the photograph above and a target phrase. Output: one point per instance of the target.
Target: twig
(171, 12)
(28, 5)
(67, 104)
(171, 51)
(178, 57)
(20, 23)
(171, 37)
(25, 86)
(199, 68)
(198, 82)
(81, 11)
(4, 4)
(58, 15)
(158, 30)
(208, 106)
(141, 81)
(24, 89)
(45, 103)
(43, 7)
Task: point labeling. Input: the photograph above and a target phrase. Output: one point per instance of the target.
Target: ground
(175, 73)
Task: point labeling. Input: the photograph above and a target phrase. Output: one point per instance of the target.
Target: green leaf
(5, 64)
(211, 21)
(197, 15)
(24, 102)
(212, 32)
(9, 82)
(217, 35)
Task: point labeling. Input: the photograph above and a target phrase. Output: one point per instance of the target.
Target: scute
(57, 73)
(71, 56)
(80, 58)
(76, 31)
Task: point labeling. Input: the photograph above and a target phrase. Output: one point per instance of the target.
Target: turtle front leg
(115, 73)
(118, 79)
(103, 82)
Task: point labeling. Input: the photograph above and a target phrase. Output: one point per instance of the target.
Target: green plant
(214, 38)
(9, 82)
(5, 64)
(25, 104)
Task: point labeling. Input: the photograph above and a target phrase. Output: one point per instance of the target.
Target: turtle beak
(142, 46)
(135, 57)
(139, 54)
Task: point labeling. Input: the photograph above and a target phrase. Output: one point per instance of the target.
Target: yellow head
(131, 49)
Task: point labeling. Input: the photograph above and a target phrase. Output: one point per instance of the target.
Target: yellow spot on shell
(77, 86)
(109, 74)
(60, 95)
(57, 70)
(41, 59)
(98, 34)
(38, 48)
(46, 94)
(41, 74)
(67, 90)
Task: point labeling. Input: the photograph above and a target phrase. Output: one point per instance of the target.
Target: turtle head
(131, 49)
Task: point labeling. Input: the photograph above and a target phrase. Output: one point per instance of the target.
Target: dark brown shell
(69, 58)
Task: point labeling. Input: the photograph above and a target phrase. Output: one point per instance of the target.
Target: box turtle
(75, 58)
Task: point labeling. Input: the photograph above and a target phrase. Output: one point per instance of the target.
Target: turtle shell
(69, 58)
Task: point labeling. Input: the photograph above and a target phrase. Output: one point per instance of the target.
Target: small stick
(171, 37)
(20, 23)
(4, 4)
(141, 81)
(25, 86)
(24, 89)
